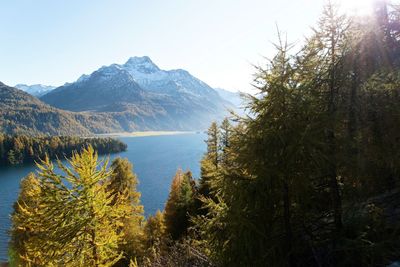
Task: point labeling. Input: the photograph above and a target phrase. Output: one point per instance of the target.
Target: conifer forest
(309, 175)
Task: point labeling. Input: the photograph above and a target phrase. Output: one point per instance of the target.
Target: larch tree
(123, 183)
(179, 204)
(28, 203)
(224, 144)
(211, 159)
(77, 221)
(332, 39)
(155, 231)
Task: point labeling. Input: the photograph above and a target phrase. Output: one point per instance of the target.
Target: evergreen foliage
(309, 178)
(179, 205)
(155, 232)
(23, 114)
(24, 149)
(123, 183)
(210, 161)
(312, 176)
(74, 219)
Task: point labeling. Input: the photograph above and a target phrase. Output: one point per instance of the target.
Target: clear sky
(53, 42)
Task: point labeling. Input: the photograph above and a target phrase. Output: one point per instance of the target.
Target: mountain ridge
(146, 96)
(22, 113)
(35, 89)
(134, 96)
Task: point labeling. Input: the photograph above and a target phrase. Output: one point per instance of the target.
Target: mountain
(35, 89)
(141, 96)
(150, 77)
(97, 92)
(21, 113)
(233, 97)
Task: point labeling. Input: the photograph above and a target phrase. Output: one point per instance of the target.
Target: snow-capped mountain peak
(111, 70)
(35, 89)
(141, 64)
(150, 77)
(139, 94)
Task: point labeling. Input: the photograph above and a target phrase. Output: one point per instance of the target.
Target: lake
(155, 160)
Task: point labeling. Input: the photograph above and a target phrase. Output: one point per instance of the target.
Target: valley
(135, 96)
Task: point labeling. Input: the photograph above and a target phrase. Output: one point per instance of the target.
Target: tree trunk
(94, 248)
(332, 165)
(288, 228)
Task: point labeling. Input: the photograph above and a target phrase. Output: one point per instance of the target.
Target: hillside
(233, 97)
(16, 149)
(139, 95)
(35, 89)
(21, 113)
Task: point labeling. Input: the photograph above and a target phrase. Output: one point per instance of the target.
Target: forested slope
(24, 149)
(21, 113)
(141, 96)
(310, 178)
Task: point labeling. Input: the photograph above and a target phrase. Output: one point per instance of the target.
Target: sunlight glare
(356, 7)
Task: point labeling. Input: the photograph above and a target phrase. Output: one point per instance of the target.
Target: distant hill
(137, 95)
(140, 95)
(35, 89)
(97, 92)
(21, 113)
(233, 97)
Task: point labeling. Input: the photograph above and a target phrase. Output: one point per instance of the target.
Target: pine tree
(155, 231)
(11, 158)
(310, 181)
(332, 38)
(123, 182)
(179, 204)
(211, 160)
(28, 203)
(78, 219)
(213, 144)
(225, 134)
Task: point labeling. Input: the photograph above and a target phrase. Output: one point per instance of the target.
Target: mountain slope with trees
(37, 90)
(310, 178)
(139, 95)
(21, 113)
(313, 174)
(19, 149)
(117, 98)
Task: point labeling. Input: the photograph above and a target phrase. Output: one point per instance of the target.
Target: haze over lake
(155, 160)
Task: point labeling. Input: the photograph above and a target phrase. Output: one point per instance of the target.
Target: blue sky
(53, 42)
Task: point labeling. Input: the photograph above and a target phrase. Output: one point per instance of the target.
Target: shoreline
(145, 133)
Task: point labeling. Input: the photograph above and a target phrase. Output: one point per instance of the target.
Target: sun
(356, 7)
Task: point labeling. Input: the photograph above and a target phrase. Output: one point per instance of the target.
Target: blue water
(155, 160)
